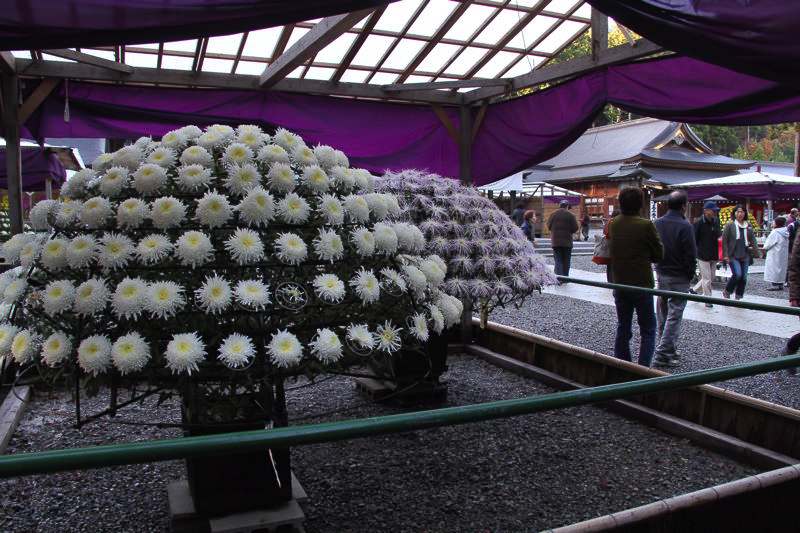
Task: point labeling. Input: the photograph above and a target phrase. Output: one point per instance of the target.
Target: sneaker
(668, 362)
(739, 297)
(692, 291)
(725, 293)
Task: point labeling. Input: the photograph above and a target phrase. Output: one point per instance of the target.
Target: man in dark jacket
(675, 271)
(706, 235)
(517, 214)
(562, 225)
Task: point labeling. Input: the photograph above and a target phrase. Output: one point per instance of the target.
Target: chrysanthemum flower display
(219, 254)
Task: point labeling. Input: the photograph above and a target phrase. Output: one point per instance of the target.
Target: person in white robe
(777, 249)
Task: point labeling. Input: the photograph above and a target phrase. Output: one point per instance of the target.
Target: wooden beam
(322, 34)
(90, 60)
(186, 78)
(239, 52)
(7, 63)
(573, 67)
(10, 85)
(479, 119)
(357, 44)
(36, 98)
(455, 84)
(599, 34)
(465, 145)
(448, 124)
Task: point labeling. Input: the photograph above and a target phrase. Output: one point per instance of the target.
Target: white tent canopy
(516, 183)
(750, 178)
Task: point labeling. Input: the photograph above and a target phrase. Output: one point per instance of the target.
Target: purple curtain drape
(741, 192)
(513, 135)
(37, 166)
(757, 37)
(41, 24)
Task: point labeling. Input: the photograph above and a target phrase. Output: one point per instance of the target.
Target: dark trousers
(642, 304)
(562, 255)
(738, 279)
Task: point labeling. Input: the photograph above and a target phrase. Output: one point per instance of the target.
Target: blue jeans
(738, 279)
(627, 303)
(561, 257)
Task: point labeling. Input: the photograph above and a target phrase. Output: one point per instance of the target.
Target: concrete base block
(11, 412)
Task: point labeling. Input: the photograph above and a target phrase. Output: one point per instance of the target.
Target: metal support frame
(10, 85)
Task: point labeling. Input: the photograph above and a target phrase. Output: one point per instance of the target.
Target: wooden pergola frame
(302, 53)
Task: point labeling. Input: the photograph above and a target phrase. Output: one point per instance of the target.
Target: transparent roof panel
(250, 67)
(224, 44)
(334, 52)
(523, 66)
(182, 46)
(560, 6)
(383, 78)
(496, 64)
(437, 57)
(217, 65)
(177, 63)
(136, 59)
(418, 79)
(354, 76)
(469, 22)
(584, 11)
(560, 36)
(48, 57)
(319, 73)
(465, 60)
(372, 50)
(22, 54)
(261, 43)
(105, 54)
(296, 73)
(297, 33)
(403, 53)
(503, 22)
(152, 46)
(397, 15)
(432, 17)
(532, 32)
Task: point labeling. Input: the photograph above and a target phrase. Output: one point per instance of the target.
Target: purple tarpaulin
(741, 192)
(757, 37)
(513, 135)
(42, 24)
(37, 166)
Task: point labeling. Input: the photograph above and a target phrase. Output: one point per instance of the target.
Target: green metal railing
(164, 450)
(780, 309)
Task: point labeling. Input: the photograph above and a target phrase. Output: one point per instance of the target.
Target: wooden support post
(599, 34)
(48, 188)
(10, 86)
(465, 146)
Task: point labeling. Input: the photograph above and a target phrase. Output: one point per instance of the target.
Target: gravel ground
(701, 345)
(521, 474)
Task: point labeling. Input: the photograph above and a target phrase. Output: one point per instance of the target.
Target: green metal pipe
(228, 443)
(780, 309)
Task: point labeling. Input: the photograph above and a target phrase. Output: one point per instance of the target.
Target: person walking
(739, 248)
(527, 224)
(585, 222)
(635, 245)
(777, 249)
(562, 225)
(517, 215)
(706, 236)
(675, 271)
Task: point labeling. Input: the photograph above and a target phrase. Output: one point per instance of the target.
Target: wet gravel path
(521, 474)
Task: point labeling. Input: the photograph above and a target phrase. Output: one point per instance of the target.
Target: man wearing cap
(562, 225)
(706, 235)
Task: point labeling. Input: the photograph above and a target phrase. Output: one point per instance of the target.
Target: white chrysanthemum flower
(287, 140)
(303, 156)
(392, 205)
(377, 205)
(213, 210)
(439, 262)
(41, 214)
(7, 333)
(329, 288)
(30, 252)
(236, 350)
(315, 179)
(257, 208)
(388, 337)
(190, 132)
(13, 246)
(328, 245)
(196, 155)
(326, 346)
(58, 297)
(357, 208)
(94, 354)
(242, 179)
(143, 143)
(281, 178)
(359, 335)
(364, 180)
(54, 254)
(167, 212)
(285, 349)
(132, 213)
(153, 248)
(415, 277)
(95, 211)
(194, 248)
(419, 327)
(214, 295)
(91, 297)
(174, 139)
(451, 308)
(128, 156)
(210, 140)
(237, 154)
(385, 238)
(251, 136)
(130, 353)
(364, 241)
(326, 156)
(81, 251)
(409, 237)
(293, 209)
(113, 181)
(193, 178)
(115, 250)
(437, 317)
(433, 273)
(14, 291)
(149, 178)
(331, 210)
(56, 348)
(290, 248)
(245, 246)
(184, 352)
(102, 162)
(129, 298)
(343, 178)
(252, 293)
(341, 159)
(367, 286)
(393, 277)
(272, 153)
(162, 156)
(223, 130)
(67, 213)
(24, 346)
(164, 299)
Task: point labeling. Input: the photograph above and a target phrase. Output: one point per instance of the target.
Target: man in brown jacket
(562, 225)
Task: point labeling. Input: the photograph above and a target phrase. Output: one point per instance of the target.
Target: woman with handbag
(602, 248)
(739, 248)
